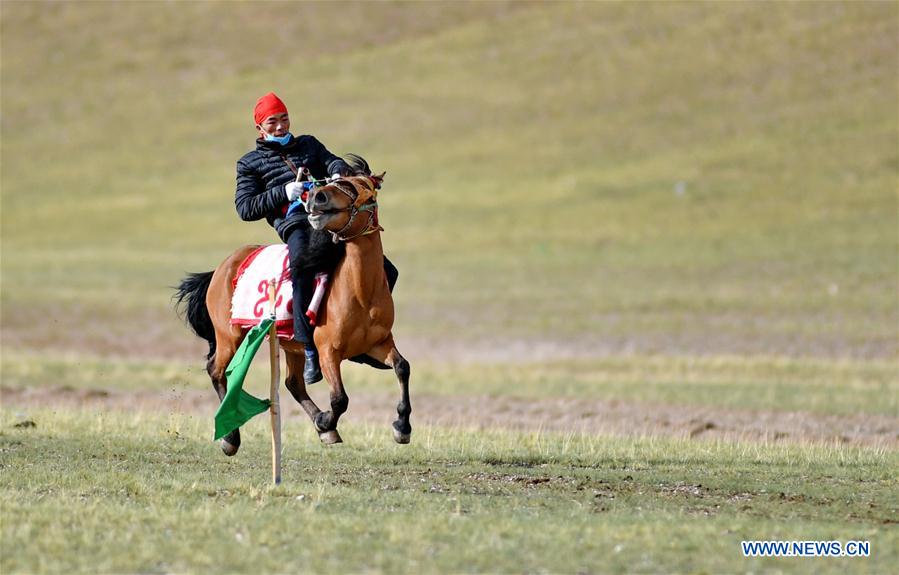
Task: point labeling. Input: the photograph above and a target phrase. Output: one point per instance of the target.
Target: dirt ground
(557, 415)
(154, 333)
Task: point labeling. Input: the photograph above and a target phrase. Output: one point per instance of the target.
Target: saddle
(250, 303)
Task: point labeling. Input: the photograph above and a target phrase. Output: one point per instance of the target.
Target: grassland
(687, 179)
(145, 493)
(688, 206)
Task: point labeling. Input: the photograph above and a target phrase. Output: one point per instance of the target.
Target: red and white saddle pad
(249, 304)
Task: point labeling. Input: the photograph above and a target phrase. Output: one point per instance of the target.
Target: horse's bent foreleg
(388, 354)
(297, 387)
(326, 422)
(216, 368)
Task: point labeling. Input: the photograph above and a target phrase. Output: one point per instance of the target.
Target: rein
(301, 172)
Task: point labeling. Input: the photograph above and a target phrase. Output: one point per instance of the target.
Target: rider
(266, 186)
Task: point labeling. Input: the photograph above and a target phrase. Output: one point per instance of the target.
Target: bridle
(370, 207)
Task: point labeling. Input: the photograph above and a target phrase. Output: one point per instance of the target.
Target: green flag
(239, 407)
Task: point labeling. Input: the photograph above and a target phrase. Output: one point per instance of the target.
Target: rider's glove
(293, 190)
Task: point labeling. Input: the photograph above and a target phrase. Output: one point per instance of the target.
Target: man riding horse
(268, 182)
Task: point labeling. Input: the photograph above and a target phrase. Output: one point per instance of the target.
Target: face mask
(282, 140)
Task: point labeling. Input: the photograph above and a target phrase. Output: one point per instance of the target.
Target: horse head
(337, 206)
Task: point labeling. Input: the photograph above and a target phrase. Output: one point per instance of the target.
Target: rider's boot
(312, 371)
(302, 332)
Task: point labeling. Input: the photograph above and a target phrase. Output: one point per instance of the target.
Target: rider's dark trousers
(303, 285)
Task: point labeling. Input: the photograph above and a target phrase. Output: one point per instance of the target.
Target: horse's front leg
(297, 387)
(326, 422)
(388, 354)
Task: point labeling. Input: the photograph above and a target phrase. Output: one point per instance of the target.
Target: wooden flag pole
(276, 377)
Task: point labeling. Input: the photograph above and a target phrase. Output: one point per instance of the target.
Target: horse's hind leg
(216, 368)
(296, 386)
(388, 354)
(402, 429)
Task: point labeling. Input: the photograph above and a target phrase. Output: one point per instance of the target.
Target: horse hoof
(330, 437)
(228, 449)
(400, 437)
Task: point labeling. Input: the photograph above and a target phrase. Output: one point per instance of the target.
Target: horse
(356, 318)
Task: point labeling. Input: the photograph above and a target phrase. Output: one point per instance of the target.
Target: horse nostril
(320, 198)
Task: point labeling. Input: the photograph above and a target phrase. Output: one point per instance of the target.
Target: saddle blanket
(250, 304)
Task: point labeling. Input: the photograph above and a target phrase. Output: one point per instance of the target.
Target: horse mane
(360, 168)
(323, 254)
(358, 164)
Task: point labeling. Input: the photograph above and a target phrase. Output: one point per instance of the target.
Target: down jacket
(263, 173)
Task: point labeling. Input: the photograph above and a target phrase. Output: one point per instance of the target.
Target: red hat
(268, 105)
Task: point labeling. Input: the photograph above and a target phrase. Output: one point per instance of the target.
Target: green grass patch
(100, 492)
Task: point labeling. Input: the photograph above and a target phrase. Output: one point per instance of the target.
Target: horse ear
(378, 179)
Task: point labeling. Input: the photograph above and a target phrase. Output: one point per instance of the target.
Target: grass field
(680, 217)
(126, 493)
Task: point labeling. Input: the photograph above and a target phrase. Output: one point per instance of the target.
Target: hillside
(563, 179)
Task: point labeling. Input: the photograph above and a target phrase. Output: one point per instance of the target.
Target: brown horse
(356, 318)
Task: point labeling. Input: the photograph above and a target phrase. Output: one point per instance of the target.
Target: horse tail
(192, 294)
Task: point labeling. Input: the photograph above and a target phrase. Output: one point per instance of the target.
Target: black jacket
(263, 173)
